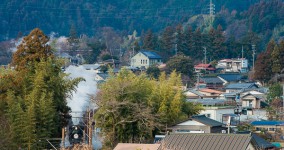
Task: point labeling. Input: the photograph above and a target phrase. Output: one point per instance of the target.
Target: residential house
(251, 100)
(211, 82)
(232, 78)
(240, 87)
(202, 93)
(233, 65)
(268, 126)
(193, 141)
(112, 62)
(198, 124)
(144, 59)
(204, 67)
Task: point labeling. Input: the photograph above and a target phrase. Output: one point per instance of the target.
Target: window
(141, 61)
(146, 61)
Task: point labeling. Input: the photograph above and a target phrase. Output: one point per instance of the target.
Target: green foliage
(131, 107)
(153, 72)
(276, 60)
(275, 91)
(34, 96)
(149, 41)
(182, 64)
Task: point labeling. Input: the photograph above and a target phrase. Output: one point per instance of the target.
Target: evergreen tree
(149, 41)
(198, 45)
(188, 38)
(181, 63)
(219, 50)
(73, 40)
(180, 40)
(167, 42)
(33, 48)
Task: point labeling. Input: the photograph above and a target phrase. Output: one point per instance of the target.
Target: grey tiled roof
(211, 80)
(191, 141)
(241, 85)
(207, 121)
(231, 77)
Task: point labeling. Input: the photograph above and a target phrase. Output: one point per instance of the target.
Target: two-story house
(145, 59)
(233, 65)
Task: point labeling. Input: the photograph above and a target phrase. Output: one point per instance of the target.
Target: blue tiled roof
(267, 123)
(241, 85)
(231, 77)
(150, 54)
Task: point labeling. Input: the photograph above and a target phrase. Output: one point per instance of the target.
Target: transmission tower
(211, 8)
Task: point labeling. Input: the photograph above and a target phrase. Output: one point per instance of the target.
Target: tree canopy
(34, 95)
(132, 108)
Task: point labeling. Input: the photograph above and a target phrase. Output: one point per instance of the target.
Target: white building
(233, 65)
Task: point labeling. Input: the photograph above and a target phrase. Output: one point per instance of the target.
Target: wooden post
(63, 138)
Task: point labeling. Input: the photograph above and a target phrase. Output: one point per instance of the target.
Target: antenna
(176, 48)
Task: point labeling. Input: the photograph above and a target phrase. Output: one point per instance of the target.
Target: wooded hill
(124, 15)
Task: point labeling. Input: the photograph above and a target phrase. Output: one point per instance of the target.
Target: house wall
(255, 102)
(140, 60)
(216, 112)
(184, 128)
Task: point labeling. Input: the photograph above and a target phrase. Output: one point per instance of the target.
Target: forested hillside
(90, 15)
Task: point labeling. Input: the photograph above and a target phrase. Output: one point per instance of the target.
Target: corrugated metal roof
(150, 54)
(241, 85)
(206, 142)
(267, 123)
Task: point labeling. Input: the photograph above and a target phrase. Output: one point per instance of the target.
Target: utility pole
(253, 54)
(176, 48)
(242, 51)
(205, 52)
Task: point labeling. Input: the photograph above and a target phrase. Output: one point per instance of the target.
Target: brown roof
(203, 141)
(134, 146)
